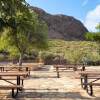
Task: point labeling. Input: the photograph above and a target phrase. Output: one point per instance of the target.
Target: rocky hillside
(62, 26)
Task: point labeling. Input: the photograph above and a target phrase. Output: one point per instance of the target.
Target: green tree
(8, 9)
(98, 27)
(94, 36)
(21, 28)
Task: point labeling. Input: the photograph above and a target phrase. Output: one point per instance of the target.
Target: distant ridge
(62, 26)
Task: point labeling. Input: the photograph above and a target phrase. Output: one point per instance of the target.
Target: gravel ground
(43, 85)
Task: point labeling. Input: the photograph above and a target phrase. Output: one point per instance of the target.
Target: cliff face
(62, 26)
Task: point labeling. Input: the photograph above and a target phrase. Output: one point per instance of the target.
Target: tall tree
(21, 28)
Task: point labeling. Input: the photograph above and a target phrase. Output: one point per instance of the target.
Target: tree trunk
(20, 59)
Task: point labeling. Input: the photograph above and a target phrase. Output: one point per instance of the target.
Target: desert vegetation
(20, 29)
(23, 34)
(73, 51)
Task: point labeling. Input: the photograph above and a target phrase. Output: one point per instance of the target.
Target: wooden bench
(89, 79)
(13, 88)
(13, 78)
(84, 82)
(90, 87)
(16, 85)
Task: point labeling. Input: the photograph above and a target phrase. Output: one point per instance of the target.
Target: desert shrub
(48, 59)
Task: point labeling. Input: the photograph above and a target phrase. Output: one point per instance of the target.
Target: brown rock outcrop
(62, 26)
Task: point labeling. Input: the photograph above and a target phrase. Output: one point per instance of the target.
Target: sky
(87, 11)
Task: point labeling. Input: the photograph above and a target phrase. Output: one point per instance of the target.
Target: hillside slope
(62, 26)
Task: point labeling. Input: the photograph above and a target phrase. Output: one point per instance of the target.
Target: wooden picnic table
(85, 76)
(14, 68)
(68, 66)
(14, 86)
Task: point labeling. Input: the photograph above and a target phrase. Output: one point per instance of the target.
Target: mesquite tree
(20, 27)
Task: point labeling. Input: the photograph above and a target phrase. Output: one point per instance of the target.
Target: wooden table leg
(82, 82)
(90, 89)
(85, 81)
(2, 69)
(18, 80)
(13, 91)
(27, 69)
(83, 68)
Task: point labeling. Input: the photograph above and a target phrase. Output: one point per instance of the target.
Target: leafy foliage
(20, 27)
(8, 9)
(95, 36)
(73, 51)
(98, 27)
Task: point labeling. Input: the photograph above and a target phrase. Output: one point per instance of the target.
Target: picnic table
(86, 76)
(13, 86)
(14, 68)
(68, 66)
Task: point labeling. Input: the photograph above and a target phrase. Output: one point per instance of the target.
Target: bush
(54, 59)
(48, 59)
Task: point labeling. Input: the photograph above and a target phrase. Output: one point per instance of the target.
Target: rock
(62, 26)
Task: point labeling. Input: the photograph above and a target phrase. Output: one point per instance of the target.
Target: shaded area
(50, 93)
(38, 77)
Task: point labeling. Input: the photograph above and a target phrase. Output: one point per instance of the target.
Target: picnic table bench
(18, 86)
(86, 81)
(68, 66)
(13, 87)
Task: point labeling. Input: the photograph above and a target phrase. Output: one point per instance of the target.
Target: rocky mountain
(62, 26)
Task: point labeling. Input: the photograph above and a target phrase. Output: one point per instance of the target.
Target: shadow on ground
(38, 77)
(49, 94)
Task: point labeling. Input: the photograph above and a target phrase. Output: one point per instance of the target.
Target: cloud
(85, 3)
(92, 18)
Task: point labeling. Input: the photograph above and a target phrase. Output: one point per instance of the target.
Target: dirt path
(43, 85)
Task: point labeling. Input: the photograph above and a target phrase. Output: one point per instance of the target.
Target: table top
(16, 73)
(13, 66)
(67, 65)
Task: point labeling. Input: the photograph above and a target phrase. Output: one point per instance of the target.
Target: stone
(62, 26)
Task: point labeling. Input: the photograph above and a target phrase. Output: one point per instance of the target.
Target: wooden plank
(89, 72)
(93, 84)
(11, 78)
(13, 73)
(76, 77)
(6, 87)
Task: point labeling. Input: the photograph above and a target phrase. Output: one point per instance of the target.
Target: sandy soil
(43, 85)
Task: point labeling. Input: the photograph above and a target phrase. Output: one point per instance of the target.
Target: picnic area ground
(43, 85)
